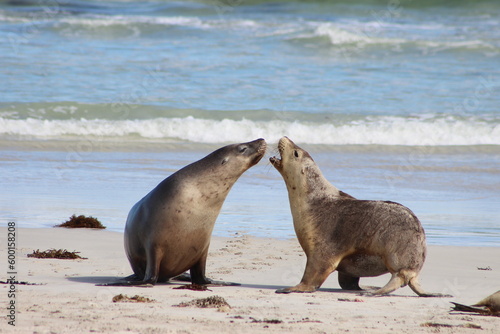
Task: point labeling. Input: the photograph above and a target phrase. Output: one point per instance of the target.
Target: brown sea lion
(339, 232)
(168, 231)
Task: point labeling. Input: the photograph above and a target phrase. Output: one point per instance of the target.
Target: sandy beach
(65, 298)
(102, 100)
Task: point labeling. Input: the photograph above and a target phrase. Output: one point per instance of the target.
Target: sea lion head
(240, 157)
(295, 163)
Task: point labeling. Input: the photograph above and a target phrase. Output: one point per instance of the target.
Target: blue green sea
(394, 99)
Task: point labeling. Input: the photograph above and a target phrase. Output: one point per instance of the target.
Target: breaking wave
(380, 130)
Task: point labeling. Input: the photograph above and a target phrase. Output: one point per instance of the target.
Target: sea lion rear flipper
(466, 308)
(184, 277)
(348, 282)
(417, 288)
(491, 302)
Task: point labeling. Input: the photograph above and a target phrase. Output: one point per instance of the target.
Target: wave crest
(382, 130)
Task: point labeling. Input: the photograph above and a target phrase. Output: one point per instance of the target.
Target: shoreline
(68, 300)
(99, 144)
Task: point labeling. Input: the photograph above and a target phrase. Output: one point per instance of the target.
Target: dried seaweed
(135, 299)
(267, 321)
(435, 324)
(82, 222)
(438, 325)
(194, 287)
(212, 302)
(484, 268)
(56, 254)
(355, 300)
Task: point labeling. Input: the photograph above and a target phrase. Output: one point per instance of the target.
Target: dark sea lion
(168, 231)
(339, 232)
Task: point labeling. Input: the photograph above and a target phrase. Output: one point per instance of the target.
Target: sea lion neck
(317, 185)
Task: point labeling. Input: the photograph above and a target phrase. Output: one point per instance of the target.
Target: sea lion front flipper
(150, 277)
(198, 270)
(315, 273)
(198, 274)
(131, 280)
(128, 283)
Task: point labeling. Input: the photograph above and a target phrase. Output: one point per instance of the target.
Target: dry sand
(68, 301)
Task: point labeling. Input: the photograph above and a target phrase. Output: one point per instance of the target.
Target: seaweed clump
(209, 302)
(135, 299)
(267, 321)
(82, 222)
(194, 287)
(438, 325)
(56, 254)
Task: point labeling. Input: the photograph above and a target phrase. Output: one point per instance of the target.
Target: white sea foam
(96, 21)
(343, 32)
(4, 17)
(372, 33)
(119, 20)
(382, 130)
(338, 34)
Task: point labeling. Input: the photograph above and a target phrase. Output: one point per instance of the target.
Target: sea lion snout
(288, 151)
(258, 147)
(262, 145)
(282, 144)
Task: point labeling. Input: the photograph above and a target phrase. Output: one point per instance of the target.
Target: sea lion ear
(303, 170)
(223, 162)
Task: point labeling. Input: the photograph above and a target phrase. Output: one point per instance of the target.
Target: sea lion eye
(296, 154)
(243, 149)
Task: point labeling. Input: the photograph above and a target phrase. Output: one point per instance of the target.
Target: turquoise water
(455, 195)
(396, 100)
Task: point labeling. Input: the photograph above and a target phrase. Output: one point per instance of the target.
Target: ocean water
(395, 100)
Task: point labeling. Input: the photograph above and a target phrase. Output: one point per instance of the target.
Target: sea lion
(358, 238)
(489, 305)
(168, 231)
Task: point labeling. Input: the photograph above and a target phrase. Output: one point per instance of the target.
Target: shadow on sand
(112, 279)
